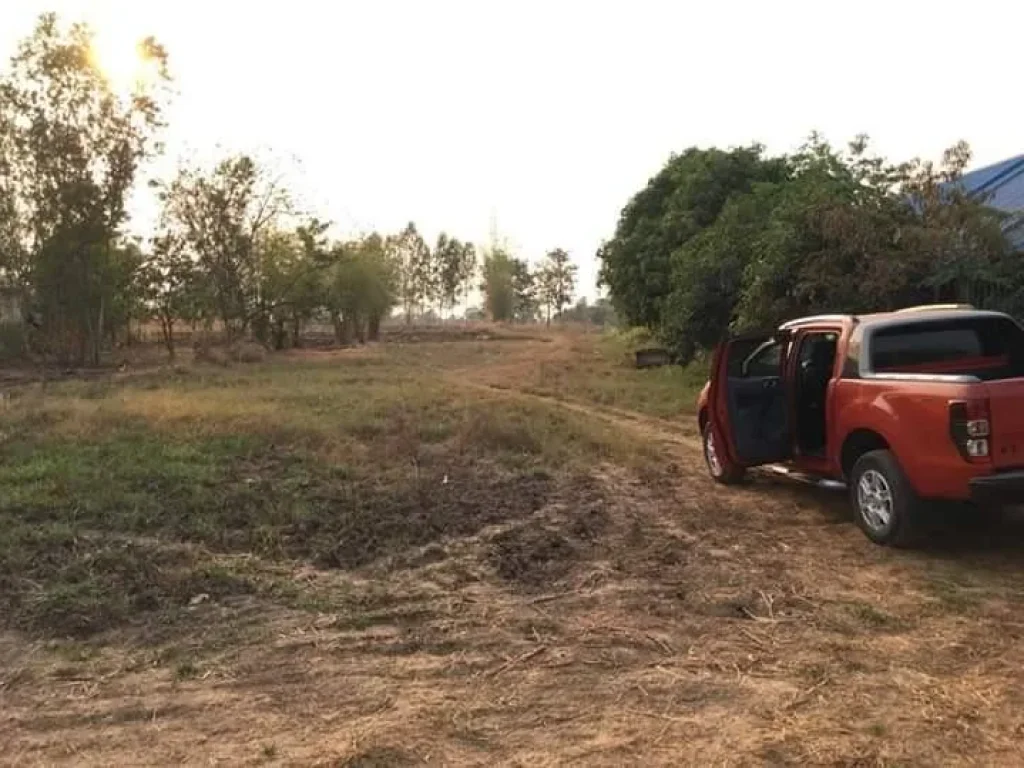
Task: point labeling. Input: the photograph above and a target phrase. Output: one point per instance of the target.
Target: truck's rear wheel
(884, 503)
(718, 466)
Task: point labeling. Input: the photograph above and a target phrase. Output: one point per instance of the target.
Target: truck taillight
(977, 428)
(970, 427)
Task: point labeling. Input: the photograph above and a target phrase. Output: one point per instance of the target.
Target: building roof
(1001, 186)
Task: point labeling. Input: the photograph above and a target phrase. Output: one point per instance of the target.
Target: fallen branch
(665, 647)
(517, 660)
(759, 641)
(761, 619)
(802, 698)
(549, 598)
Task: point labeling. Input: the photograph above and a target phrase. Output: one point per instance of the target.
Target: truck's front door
(751, 414)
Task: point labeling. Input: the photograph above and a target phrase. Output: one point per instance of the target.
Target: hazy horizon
(549, 116)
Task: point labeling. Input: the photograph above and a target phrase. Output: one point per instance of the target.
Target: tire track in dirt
(637, 423)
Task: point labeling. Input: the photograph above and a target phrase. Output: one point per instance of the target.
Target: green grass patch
(128, 500)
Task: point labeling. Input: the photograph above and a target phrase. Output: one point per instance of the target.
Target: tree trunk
(339, 331)
(97, 337)
(373, 330)
(261, 325)
(360, 329)
(167, 326)
(296, 331)
(346, 329)
(279, 333)
(84, 338)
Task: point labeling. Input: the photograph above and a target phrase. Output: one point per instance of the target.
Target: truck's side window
(818, 348)
(765, 361)
(988, 347)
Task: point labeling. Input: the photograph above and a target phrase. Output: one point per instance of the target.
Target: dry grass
(594, 369)
(415, 555)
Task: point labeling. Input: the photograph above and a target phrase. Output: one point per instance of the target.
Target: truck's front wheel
(721, 470)
(884, 502)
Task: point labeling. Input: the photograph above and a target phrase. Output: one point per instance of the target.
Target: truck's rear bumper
(1000, 488)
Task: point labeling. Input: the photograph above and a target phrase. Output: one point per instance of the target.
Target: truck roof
(924, 312)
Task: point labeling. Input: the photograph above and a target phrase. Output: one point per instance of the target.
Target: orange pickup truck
(905, 407)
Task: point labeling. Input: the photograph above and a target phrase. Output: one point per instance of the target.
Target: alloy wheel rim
(874, 500)
(711, 453)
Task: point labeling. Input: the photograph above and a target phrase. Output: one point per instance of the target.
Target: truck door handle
(769, 383)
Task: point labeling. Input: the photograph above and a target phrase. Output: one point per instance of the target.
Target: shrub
(248, 352)
(13, 341)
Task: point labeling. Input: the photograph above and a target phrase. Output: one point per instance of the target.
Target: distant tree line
(230, 250)
(723, 241)
(601, 312)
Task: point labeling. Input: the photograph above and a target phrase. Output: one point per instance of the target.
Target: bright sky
(551, 113)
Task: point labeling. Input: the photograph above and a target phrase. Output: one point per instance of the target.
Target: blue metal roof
(1001, 186)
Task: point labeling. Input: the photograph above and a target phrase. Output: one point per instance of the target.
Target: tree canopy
(684, 198)
(70, 148)
(715, 244)
(230, 247)
(717, 240)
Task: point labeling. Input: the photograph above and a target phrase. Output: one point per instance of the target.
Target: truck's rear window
(987, 347)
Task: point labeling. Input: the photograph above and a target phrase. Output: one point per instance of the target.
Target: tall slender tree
(467, 270)
(524, 291)
(556, 282)
(454, 266)
(412, 258)
(498, 284)
(171, 285)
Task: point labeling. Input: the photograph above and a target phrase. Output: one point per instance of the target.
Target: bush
(204, 353)
(13, 341)
(248, 352)
(634, 338)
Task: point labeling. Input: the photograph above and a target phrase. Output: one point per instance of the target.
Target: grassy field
(469, 549)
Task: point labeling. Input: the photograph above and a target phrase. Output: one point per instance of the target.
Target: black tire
(721, 471)
(884, 479)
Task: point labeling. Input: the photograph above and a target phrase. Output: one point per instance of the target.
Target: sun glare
(119, 56)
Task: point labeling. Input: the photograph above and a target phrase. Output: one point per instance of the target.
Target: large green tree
(852, 233)
(291, 290)
(70, 147)
(682, 199)
(708, 272)
(227, 217)
(827, 231)
(361, 288)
